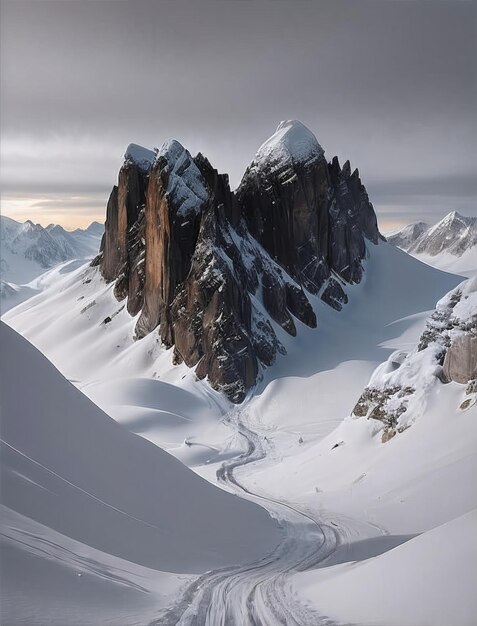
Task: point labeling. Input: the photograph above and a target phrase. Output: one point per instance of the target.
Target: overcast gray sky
(389, 84)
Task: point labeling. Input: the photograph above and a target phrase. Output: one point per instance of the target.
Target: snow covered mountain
(361, 501)
(28, 249)
(408, 235)
(285, 288)
(216, 271)
(451, 244)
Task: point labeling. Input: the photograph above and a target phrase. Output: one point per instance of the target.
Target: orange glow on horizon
(27, 208)
(24, 209)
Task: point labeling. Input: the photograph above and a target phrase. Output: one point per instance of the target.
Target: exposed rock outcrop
(447, 351)
(220, 273)
(460, 361)
(310, 216)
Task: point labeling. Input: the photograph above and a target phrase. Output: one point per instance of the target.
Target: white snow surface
(449, 245)
(370, 498)
(186, 185)
(85, 498)
(430, 580)
(28, 249)
(11, 295)
(464, 265)
(291, 141)
(66, 322)
(142, 157)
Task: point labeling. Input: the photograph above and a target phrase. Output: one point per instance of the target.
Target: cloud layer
(392, 85)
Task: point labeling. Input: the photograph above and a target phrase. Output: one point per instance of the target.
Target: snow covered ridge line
(398, 391)
(454, 234)
(28, 249)
(221, 274)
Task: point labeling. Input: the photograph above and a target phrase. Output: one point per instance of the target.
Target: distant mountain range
(450, 244)
(28, 249)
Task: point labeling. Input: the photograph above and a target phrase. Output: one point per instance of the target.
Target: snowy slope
(407, 236)
(348, 468)
(67, 323)
(11, 295)
(428, 580)
(378, 496)
(28, 249)
(454, 234)
(373, 496)
(464, 265)
(73, 474)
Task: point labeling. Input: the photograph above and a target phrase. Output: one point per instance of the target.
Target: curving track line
(257, 594)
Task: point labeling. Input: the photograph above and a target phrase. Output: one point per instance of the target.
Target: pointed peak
(454, 217)
(171, 149)
(346, 170)
(291, 141)
(140, 156)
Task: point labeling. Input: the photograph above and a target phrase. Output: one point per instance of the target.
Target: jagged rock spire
(223, 274)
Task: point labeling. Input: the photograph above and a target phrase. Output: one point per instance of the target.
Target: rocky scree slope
(399, 389)
(217, 272)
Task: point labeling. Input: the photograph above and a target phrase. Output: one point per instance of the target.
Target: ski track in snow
(258, 594)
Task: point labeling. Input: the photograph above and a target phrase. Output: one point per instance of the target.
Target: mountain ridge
(28, 249)
(453, 234)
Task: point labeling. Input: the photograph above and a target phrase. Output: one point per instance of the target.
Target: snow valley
(246, 407)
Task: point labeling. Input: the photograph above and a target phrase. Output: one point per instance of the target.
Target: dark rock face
(222, 274)
(311, 217)
(176, 198)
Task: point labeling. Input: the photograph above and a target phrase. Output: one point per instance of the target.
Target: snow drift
(69, 467)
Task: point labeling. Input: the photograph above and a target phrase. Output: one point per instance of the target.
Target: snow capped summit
(171, 149)
(451, 244)
(201, 263)
(140, 156)
(406, 236)
(454, 234)
(186, 185)
(455, 216)
(95, 228)
(292, 141)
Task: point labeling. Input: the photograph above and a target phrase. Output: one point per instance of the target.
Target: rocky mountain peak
(453, 235)
(142, 157)
(455, 216)
(406, 236)
(292, 141)
(221, 274)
